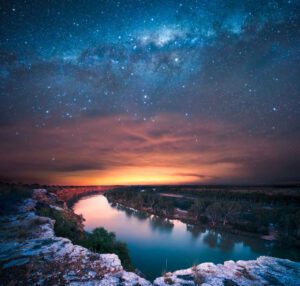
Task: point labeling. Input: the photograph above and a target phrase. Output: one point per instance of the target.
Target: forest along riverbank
(271, 213)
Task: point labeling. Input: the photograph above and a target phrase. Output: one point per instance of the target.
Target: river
(157, 245)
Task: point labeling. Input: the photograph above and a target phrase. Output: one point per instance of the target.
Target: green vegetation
(65, 225)
(69, 225)
(11, 195)
(102, 241)
(256, 210)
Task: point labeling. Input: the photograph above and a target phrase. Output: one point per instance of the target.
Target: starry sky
(150, 92)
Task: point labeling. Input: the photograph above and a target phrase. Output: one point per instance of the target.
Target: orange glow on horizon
(146, 176)
(110, 151)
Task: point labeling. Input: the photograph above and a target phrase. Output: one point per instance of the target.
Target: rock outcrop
(31, 254)
(262, 271)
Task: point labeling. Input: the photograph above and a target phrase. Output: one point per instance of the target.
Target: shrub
(11, 196)
(102, 241)
(64, 226)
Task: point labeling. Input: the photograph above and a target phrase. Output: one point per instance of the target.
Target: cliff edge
(31, 254)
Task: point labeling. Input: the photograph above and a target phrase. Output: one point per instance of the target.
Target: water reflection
(161, 224)
(130, 212)
(196, 231)
(158, 244)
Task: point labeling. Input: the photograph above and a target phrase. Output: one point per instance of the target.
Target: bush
(102, 241)
(64, 226)
(11, 196)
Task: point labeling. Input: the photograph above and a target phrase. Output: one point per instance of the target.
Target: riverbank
(263, 214)
(191, 224)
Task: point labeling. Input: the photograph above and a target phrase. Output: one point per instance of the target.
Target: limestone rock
(263, 271)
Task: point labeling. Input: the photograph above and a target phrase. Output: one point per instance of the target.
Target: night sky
(150, 92)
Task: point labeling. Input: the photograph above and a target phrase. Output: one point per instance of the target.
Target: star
(202, 69)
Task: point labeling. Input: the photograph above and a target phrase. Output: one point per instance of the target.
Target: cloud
(211, 98)
(117, 149)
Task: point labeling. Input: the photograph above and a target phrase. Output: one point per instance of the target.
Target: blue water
(158, 245)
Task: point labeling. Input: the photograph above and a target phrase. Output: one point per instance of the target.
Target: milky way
(150, 91)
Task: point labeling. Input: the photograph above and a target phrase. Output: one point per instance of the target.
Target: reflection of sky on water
(157, 244)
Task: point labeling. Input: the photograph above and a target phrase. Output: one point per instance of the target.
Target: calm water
(157, 245)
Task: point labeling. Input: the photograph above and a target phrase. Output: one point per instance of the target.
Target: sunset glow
(171, 151)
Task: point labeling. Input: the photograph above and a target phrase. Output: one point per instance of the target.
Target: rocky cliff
(31, 254)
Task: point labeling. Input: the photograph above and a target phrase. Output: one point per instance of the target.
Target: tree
(230, 210)
(197, 209)
(214, 213)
